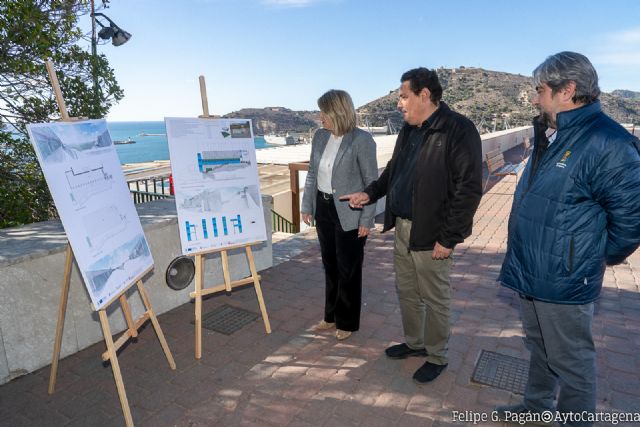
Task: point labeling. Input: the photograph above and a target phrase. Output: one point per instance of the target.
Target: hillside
(277, 120)
(491, 99)
(485, 96)
(626, 94)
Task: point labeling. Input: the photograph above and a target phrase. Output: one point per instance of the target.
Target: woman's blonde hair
(338, 106)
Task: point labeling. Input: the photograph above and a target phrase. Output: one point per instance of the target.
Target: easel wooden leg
(115, 367)
(256, 285)
(156, 325)
(62, 310)
(133, 331)
(225, 270)
(198, 320)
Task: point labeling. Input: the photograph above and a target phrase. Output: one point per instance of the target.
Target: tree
(30, 32)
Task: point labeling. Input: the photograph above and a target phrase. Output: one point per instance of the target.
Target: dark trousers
(563, 357)
(342, 255)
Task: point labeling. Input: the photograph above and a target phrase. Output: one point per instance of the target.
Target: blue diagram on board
(209, 161)
(228, 224)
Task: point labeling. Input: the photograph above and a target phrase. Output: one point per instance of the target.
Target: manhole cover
(227, 319)
(501, 371)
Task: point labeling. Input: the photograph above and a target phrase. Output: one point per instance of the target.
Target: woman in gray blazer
(343, 160)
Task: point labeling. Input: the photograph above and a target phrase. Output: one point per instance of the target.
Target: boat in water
(125, 141)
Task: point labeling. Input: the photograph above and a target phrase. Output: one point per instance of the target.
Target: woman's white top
(325, 168)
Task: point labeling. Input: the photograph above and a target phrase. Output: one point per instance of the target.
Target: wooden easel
(132, 326)
(228, 285)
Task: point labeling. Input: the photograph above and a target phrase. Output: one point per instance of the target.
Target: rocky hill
(278, 120)
(626, 94)
(493, 100)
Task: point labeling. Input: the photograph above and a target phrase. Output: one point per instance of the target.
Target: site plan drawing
(83, 172)
(215, 178)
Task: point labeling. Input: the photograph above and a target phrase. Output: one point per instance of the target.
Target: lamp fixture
(117, 35)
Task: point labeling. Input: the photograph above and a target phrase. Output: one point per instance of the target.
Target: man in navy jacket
(575, 211)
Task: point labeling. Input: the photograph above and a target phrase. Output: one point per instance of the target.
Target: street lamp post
(118, 37)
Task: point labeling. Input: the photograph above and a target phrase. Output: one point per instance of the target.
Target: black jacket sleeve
(465, 169)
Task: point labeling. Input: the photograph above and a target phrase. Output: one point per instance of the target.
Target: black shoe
(402, 351)
(428, 372)
(510, 413)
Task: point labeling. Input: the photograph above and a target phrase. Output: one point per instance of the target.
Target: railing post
(294, 182)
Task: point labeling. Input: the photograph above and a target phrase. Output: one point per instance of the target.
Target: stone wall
(505, 139)
(31, 270)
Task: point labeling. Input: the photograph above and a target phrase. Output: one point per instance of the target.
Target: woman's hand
(306, 218)
(363, 231)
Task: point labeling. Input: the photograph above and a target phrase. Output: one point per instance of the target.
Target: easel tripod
(132, 325)
(228, 285)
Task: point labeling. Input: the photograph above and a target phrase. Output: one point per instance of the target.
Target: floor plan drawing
(86, 182)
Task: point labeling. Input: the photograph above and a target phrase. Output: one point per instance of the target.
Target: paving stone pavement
(298, 377)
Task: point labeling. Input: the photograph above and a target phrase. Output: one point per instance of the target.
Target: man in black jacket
(433, 185)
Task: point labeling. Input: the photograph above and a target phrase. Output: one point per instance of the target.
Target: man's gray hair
(564, 67)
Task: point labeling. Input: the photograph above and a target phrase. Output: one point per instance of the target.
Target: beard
(548, 120)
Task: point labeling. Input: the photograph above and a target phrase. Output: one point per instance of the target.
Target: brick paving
(298, 377)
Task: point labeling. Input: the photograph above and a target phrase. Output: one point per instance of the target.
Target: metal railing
(149, 189)
(282, 224)
(144, 196)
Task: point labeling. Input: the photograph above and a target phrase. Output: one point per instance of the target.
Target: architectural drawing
(114, 266)
(85, 178)
(103, 224)
(53, 147)
(223, 199)
(216, 184)
(222, 161)
(87, 181)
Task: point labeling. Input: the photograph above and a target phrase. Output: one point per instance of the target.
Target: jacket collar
(439, 116)
(344, 145)
(577, 116)
(436, 121)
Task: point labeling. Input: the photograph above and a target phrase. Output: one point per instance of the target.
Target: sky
(286, 53)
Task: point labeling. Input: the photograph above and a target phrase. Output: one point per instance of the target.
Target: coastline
(144, 170)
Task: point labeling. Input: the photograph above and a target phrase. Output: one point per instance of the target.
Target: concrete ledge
(31, 269)
(505, 139)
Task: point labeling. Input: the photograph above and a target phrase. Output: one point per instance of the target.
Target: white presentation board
(215, 179)
(85, 178)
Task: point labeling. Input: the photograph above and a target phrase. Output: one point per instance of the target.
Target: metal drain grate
(227, 319)
(501, 371)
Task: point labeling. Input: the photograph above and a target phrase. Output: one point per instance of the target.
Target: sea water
(150, 141)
